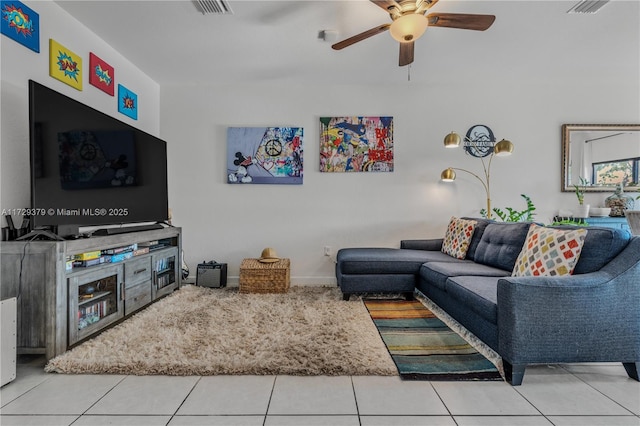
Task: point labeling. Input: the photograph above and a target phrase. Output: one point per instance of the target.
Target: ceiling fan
(410, 21)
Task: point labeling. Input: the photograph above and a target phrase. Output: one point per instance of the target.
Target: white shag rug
(201, 331)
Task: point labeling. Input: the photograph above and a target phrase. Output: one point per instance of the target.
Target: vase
(582, 211)
(619, 202)
(633, 217)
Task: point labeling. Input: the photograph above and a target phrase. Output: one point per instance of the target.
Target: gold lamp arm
(487, 175)
(485, 185)
(486, 188)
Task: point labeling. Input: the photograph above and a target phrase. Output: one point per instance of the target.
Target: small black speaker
(211, 274)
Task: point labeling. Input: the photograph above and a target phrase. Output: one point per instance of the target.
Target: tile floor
(577, 394)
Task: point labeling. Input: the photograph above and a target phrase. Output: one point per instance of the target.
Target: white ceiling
(269, 41)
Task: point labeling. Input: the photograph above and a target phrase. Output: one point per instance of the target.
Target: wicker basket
(258, 277)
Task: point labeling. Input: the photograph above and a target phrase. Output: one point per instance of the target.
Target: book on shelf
(159, 244)
(165, 264)
(88, 255)
(148, 243)
(93, 313)
(141, 250)
(86, 263)
(120, 257)
(165, 280)
(118, 250)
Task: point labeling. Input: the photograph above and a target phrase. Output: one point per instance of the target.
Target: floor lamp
(501, 149)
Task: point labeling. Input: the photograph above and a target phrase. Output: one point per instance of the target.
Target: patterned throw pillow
(458, 236)
(549, 252)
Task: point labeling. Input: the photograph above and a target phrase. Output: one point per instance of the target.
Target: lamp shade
(448, 175)
(408, 27)
(503, 148)
(452, 140)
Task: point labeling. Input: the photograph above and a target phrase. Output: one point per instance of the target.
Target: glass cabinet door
(165, 272)
(95, 300)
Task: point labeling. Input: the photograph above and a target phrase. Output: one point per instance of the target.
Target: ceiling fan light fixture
(408, 27)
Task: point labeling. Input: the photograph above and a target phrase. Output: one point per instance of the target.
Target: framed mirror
(606, 155)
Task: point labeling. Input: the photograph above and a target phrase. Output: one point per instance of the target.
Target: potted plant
(583, 209)
(513, 215)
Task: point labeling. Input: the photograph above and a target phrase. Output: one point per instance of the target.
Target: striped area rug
(425, 348)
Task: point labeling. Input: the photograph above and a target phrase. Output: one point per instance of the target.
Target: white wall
(524, 102)
(19, 64)
(230, 222)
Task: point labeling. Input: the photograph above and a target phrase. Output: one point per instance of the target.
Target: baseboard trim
(234, 281)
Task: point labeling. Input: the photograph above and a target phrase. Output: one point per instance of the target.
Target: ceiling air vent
(218, 7)
(588, 6)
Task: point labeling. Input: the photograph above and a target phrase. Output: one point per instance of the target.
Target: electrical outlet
(327, 250)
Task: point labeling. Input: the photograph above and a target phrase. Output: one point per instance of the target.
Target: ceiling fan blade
(406, 53)
(386, 4)
(359, 37)
(461, 20)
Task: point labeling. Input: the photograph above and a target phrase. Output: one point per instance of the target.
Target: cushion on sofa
(457, 237)
(549, 252)
(423, 244)
(501, 244)
(481, 225)
(601, 245)
(385, 260)
(480, 294)
(436, 273)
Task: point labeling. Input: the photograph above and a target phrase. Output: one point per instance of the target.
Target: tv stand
(125, 229)
(62, 302)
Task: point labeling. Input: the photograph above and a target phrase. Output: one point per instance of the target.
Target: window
(616, 172)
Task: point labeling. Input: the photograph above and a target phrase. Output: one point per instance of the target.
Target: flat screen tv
(90, 169)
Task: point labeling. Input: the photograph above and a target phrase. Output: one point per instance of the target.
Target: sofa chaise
(590, 315)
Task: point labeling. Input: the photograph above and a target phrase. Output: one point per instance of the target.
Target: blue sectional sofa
(592, 315)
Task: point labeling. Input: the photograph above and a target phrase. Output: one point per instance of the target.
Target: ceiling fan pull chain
(409, 72)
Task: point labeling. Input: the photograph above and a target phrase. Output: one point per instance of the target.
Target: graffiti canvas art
(356, 144)
(101, 74)
(64, 65)
(263, 155)
(21, 24)
(127, 102)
